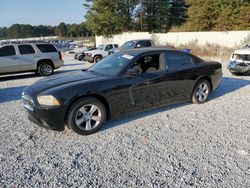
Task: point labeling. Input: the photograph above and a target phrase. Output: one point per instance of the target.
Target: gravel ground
(183, 145)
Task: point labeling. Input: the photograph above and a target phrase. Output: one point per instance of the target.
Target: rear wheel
(45, 69)
(86, 116)
(97, 58)
(201, 92)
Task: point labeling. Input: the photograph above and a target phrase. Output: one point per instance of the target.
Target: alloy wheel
(88, 117)
(46, 69)
(202, 92)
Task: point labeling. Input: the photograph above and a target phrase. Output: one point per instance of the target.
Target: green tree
(105, 17)
(61, 30)
(177, 12)
(220, 15)
(155, 15)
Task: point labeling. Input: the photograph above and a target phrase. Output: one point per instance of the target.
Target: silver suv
(41, 58)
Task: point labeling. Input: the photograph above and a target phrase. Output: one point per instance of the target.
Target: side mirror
(133, 71)
(137, 46)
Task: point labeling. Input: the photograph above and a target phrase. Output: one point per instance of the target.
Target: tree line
(105, 17)
(62, 30)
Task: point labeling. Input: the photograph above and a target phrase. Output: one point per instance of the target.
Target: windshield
(112, 65)
(101, 47)
(128, 45)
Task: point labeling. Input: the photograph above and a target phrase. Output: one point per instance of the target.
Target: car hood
(93, 51)
(63, 79)
(244, 51)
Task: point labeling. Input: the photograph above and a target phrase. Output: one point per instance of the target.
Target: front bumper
(238, 67)
(49, 118)
(52, 119)
(88, 58)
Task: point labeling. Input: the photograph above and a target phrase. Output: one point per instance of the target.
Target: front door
(148, 88)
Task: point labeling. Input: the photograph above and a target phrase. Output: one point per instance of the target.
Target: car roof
(138, 51)
(136, 40)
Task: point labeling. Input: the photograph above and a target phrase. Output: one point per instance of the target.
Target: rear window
(46, 48)
(7, 51)
(26, 49)
(177, 59)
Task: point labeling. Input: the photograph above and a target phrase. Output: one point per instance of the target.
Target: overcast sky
(41, 12)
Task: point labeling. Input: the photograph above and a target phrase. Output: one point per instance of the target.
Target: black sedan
(123, 83)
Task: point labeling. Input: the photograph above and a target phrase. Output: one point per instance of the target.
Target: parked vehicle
(142, 43)
(41, 58)
(240, 62)
(123, 83)
(94, 56)
(80, 56)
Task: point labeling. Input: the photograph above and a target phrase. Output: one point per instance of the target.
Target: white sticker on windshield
(128, 56)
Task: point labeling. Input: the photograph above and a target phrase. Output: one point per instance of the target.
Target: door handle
(14, 57)
(35, 56)
(149, 82)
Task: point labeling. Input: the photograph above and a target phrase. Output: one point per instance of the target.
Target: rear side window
(26, 49)
(178, 59)
(7, 51)
(144, 43)
(46, 48)
(116, 45)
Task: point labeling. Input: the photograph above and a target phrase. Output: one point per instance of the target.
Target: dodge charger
(124, 83)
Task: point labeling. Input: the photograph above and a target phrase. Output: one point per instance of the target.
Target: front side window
(177, 59)
(7, 51)
(26, 49)
(149, 63)
(45, 48)
(128, 45)
(109, 47)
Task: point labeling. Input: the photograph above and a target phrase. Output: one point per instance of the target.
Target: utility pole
(141, 12)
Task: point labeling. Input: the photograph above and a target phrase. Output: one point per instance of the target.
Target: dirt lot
(182, 145)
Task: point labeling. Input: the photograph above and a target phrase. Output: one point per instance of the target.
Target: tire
(201, 92)
(80, 58)
(84, 122)
(97, 58)
(237, 74)
(45, 69)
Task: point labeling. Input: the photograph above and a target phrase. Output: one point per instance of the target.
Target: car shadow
(30, 75)
(73, 64)
(228, 85)
(11, 94)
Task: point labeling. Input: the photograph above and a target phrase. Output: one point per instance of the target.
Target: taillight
(60, 55)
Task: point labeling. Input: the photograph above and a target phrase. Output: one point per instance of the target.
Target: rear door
(181, 76)
(27, 57)
(9, 61)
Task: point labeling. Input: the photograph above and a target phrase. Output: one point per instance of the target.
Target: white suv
(98, 54)
(41, 58)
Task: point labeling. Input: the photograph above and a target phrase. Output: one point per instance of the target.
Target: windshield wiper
(89, 70)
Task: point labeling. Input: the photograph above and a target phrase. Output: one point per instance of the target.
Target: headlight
(89, 54)
(48, 100)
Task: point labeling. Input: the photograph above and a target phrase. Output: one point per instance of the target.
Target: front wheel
(201, 92)
(86, 116)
